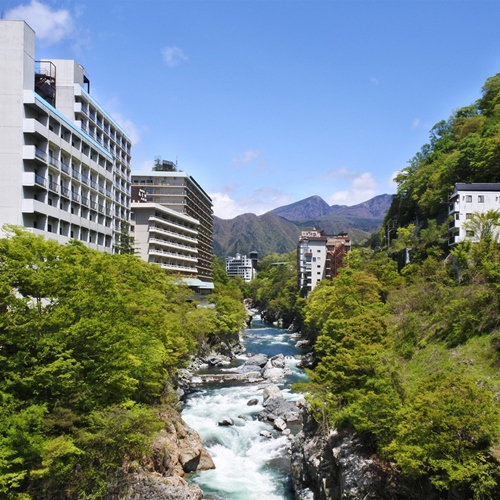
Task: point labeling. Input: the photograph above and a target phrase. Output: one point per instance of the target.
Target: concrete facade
(65, 162)
(179, 192)
(319, 257)
(466, 200)
(165, 237)
(241, 266)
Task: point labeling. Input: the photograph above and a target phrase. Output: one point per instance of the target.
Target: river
(248, 466)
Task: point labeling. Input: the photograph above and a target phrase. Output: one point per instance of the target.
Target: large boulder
(225, 421)
(280, 408)
(274, 374)
(257, 359)
(271, 391)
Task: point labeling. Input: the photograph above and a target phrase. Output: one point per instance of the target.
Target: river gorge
(251, 456)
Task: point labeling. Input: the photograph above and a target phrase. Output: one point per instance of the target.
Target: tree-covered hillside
(464, 148)
(89, 346)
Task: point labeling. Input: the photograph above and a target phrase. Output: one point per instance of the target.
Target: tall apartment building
(165, 237)
(319, 257)
(179, 192)
(467, 199)
(65, 162)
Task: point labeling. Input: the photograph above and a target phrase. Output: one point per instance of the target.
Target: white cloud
(173, 56)
(362, 188)
(51, 26)
(416, 123)
(260, 202)
(245, 158)
(374, 80)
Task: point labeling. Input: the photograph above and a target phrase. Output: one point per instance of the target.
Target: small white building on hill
(466, 200)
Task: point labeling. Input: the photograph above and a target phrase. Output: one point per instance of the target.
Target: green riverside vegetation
(408, 354)
(89, 346)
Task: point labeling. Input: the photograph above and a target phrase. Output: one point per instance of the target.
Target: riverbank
(247, 415)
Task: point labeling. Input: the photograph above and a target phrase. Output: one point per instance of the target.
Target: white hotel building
(466, 200)
(65, 163)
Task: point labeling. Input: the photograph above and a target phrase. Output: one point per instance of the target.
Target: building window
(480, 198)
(468, 198)
(457, 216)
(469, 233)
(468, 216)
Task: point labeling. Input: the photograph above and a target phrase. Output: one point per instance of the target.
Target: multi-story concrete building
(179, 192)
(241, 266)
(466, 200)
(65, 162)
(165, 237)
(319, 257)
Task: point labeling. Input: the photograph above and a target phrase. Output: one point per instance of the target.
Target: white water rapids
(248, 466)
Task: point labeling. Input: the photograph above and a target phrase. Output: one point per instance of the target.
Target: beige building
(65, 161)
(319, 257)
(180, 193)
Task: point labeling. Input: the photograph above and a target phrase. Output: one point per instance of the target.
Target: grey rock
(271, 391)
(225, 421)
(253, 402)
(279, 408)
(257, 359)
(279, 424)
(278, 361)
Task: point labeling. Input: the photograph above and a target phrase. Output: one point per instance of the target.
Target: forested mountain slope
(279, 230)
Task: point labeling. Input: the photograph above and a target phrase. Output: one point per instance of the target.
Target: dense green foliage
(409, 361)
(275, 289)
(408, 341)
(89, 343)
(465, 148)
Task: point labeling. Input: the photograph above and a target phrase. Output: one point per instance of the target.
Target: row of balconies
(176, 267)
(168, 222)
(90, 112)
(122, 191)
(62, 163)
(173, 244)
(35, 126)
(175, 255)
(70, 215)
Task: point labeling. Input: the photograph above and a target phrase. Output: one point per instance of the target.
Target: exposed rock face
(176, 450)
(336, 465)
(157, 487)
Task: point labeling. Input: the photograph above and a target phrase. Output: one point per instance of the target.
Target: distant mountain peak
(309, 208)
(279, 230)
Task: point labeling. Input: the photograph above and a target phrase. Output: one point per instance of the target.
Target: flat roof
(478, 186)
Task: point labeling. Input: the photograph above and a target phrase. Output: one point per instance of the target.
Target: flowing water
(248, 466)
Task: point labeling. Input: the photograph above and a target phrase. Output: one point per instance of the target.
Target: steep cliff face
(332, 465)
(177, 450)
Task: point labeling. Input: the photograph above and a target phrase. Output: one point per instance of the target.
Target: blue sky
(268, 102)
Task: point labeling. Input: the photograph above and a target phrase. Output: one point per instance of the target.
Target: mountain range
(279, 230)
